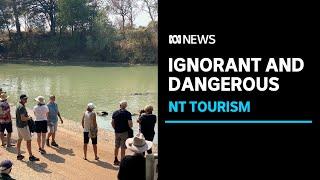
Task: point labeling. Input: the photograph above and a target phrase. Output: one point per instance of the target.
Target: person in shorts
(41, 126)
(121, 123)
(5, 120)
(90, 130)
(53, 121)
(147, 122)
(22, 119)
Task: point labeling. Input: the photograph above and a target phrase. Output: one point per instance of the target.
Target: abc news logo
(192, 39)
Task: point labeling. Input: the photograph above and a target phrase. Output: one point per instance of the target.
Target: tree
(132, 11)
(74, 14)
(47, 8)
(15, 6)
(5, 16)
(121, 8)
(151, 7)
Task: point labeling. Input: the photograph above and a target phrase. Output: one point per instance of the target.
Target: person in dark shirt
(22, 119)
(5, 168)
(134, 166)
(121, 123)
(147, 122)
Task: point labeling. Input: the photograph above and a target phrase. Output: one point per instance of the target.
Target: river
(76, 86)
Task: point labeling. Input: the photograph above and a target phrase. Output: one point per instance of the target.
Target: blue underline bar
(238, 121)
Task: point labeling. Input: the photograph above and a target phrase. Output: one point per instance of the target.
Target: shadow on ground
(104, 164)
(54, 158)
(64, 151)
(39, 167)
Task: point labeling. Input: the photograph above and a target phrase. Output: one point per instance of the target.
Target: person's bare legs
(85, 146)
(2, 137)
(54, 137)
(49, 135)
(116, 152)
(29, 147)
(43, 140)
(19, 146)
(95, 151)
(39, 139)
(123, 152)
(9, 140)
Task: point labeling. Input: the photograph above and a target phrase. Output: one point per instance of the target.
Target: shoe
(42, 151)
(48, 142)
(20, 157)
(53, 143)
(33, 158)
(97, 158)
(116, 162)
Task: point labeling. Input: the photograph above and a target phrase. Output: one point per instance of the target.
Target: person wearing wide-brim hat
(5, 169)
(134, 166)
(5, 120)
(41, 111)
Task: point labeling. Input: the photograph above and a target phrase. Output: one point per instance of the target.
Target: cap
(23, 96)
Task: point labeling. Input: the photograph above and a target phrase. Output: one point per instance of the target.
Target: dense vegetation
(78, 30)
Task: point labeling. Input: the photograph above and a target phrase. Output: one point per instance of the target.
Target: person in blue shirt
(53, 120)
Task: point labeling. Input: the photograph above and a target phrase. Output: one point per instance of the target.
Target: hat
(5, 164)
(91, 106)
(23, 96)
(3, 96)
(138, 144)
(40, 99)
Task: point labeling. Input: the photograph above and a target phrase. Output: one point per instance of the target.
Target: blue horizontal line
(238, 121)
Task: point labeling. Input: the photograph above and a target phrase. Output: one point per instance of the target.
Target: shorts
(86, 138)
(52, 127)
(120, 139)
(41, 126)
(6, 126)
(24, 133)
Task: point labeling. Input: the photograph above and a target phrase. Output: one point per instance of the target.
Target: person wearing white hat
(90, 130)
(5, 119)
(41, 111)
(134, 166)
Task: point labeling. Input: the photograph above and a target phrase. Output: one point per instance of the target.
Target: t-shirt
(21, 110)
(53, 112)
(40, 111)
(121, 118)
(4, 112)
(132, 167)
(147, 123)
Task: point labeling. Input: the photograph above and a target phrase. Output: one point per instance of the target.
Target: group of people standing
(131, 166)
(46, 117)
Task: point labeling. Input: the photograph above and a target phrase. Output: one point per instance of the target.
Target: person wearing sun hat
(41, 111)
(5, 119)
(134, 166)
(90, 130)
(5, 168)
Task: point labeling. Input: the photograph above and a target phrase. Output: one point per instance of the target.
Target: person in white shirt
(41, 112)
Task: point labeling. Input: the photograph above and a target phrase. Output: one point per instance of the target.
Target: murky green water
(76, 86)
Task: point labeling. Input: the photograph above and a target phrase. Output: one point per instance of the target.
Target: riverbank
(65, 162)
